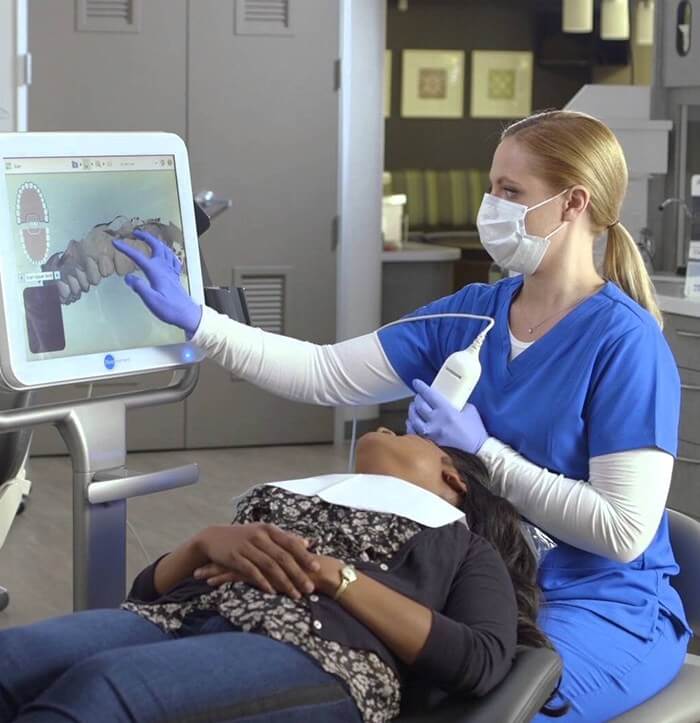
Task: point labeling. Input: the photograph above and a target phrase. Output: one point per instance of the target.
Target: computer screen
(66, 213)
(63, 280)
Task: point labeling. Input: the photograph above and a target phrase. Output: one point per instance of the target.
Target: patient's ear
(451, 476)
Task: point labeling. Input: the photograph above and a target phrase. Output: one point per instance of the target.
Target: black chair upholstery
(521, 694)
(13, 445)
(13, 450)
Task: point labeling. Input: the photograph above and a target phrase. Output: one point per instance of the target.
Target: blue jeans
(112, 665)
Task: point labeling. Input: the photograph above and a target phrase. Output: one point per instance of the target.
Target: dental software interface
(64, 214)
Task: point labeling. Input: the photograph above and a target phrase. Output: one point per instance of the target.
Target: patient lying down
(426, 606)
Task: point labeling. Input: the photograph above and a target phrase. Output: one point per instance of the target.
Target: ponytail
(624, 266)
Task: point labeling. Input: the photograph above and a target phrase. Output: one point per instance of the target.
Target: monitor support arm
(94, 431)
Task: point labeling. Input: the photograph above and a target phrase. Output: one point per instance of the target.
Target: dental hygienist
(575, 414)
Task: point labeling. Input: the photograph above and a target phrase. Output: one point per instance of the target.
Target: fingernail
(197, 574)
(309, 587)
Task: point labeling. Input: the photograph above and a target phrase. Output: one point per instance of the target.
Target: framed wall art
(432, 84)
(501, 84)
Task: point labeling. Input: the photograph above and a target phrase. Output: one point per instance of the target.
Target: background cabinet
(683, 334)
(675, 95)
(258, 108)
(679, 70)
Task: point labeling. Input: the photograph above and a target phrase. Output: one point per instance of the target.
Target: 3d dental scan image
(69, 272)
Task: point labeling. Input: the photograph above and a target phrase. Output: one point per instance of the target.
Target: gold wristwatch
(348, 575)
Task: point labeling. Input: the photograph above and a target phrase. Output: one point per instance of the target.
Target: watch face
(349, 573)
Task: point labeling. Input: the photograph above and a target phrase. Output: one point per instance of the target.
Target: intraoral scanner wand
(461, 371)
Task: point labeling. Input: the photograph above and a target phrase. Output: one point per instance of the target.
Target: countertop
(669, 295)
(669, 287)
(413, 251)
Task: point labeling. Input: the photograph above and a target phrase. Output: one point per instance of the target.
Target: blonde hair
(571, 149)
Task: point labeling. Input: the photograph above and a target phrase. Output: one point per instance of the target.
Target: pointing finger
(156, 245)
(138, 257)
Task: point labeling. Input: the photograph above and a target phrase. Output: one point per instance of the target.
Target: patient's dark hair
(496, 520)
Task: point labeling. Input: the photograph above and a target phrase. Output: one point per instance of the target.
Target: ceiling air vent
(265, 293)
(111, 16)
(264, 17)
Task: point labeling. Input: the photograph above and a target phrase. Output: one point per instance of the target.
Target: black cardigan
(455, 573)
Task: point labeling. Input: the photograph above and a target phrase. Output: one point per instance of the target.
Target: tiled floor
(36, 560)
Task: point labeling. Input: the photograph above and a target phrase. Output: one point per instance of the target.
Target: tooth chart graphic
(32, 217)
(85, 262)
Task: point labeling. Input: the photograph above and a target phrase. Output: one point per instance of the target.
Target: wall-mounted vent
(264, 17)
(266, 295)
(111, 16)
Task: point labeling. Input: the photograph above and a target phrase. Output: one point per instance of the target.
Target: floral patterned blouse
(348, 534)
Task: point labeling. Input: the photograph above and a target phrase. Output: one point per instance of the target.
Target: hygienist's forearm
(354, 372)
(178, 565)
(402, 624)
(614, 514)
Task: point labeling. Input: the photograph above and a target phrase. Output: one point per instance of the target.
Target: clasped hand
(267, 557)
(431, 415)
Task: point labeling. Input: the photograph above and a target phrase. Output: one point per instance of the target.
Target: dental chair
(14, 450)
(535, 672)
(516, 699)
(679, 702)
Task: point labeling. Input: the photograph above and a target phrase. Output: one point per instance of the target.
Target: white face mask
(501, 225)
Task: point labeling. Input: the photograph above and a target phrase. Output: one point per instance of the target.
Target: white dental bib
(377, 493)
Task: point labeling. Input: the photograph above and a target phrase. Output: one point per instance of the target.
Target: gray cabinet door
(260, 115)
(685, 486)
(683, 335)
(93, 79)
(689, 430)
(127, 79)
(263, 131)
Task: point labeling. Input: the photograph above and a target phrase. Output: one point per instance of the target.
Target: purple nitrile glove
(431, 415)
(163, 293)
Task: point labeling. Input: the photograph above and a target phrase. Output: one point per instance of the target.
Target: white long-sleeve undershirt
(351, 372)
(615, 513)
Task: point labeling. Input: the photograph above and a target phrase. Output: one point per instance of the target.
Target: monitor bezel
(16, 370)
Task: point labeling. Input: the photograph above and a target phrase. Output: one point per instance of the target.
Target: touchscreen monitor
(68, 314)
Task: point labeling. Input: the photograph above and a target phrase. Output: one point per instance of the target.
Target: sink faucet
(675, 199)
(681, 248)
(647, 248)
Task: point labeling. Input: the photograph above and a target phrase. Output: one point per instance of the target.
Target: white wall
(13, 44)
(363, 39)
(7, 65)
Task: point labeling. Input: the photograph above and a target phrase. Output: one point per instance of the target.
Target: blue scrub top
(603, 380)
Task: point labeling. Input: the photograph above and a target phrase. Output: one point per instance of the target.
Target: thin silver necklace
(532, 329)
